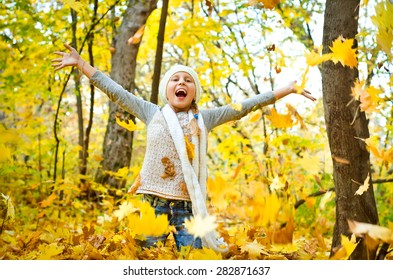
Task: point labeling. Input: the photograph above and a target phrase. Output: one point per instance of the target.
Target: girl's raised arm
(73, 59)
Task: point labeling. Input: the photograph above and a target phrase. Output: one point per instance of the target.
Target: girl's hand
(67, 59)
(305, 93)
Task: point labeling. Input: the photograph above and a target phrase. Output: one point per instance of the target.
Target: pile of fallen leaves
(259, 227)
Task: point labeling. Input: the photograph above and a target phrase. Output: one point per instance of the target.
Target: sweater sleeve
(217, 116)
(138, 107)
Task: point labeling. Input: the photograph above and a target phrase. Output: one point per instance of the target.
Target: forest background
(271, 187)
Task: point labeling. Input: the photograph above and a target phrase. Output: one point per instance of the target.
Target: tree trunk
(118, 141)
(344, 124)
(159, 51)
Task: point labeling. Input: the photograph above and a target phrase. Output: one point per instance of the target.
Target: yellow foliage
(383, 21)
(75, 5)
(346, 249)
(204, 254)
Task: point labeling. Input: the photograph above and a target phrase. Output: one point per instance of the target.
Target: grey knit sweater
(159, 147)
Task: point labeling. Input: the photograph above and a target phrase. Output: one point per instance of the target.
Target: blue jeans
(177, 211)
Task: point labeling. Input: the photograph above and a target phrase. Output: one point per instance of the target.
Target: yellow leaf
(49, 200)
(369, 99)
(49, 251)
(124, 210)
(146, 223)
(136, 39)
(130, 125)
(204, 254)
(363, 188)
(277, 184)
(300, 88)
(383, 21)
(346, 249)
(357, 89)
(268, 4)
(200, 226)
(343, 52)
(280, 120)
(5, 153)
(255, 117)
(376, 232)
(190, 149)
(75, 5)
(254, 249)
(315, 57)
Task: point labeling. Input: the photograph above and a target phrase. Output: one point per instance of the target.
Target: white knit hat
(174, 69)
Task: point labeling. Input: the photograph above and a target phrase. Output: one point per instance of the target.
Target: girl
(173, 175)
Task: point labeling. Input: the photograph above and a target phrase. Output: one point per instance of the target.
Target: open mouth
(181, 93)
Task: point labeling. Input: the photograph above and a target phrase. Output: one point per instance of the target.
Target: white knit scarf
(195, 175)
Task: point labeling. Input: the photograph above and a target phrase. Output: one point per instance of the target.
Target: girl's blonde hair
(194, 128)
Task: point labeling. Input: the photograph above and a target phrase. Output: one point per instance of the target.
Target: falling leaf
(363, 188)
(146, 222)
(374, 231)
(130, 125)
(280, 120)
(277, 184)
(300, 88)
(75, 5)
(256, 117)
(136, 39)
(200, 226)
(125, 209)
(346, 249)
(343, 52)
(268, 4)
(315, 57)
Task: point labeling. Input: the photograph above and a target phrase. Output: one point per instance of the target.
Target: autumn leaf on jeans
(200, 226)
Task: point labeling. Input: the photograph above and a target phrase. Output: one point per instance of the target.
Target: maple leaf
(346, 249)
(343, 52)
(369, 99)
(254, 249)
(75, 5)
(130, 125)
(204, 254)
(49, 251)
(125, 209)
(316, 57)
(280, 120)
(374, 231)
(200, 226)
(137, 37)
(146, 222)
(363, 188)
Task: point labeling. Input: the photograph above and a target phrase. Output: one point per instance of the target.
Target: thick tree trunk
(118, 141)
(344, 124)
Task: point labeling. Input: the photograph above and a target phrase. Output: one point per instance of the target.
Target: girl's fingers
(56, 60)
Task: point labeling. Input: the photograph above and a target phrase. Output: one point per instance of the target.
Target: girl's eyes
(177, 79)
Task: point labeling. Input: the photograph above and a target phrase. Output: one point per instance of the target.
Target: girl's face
(180, 91)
